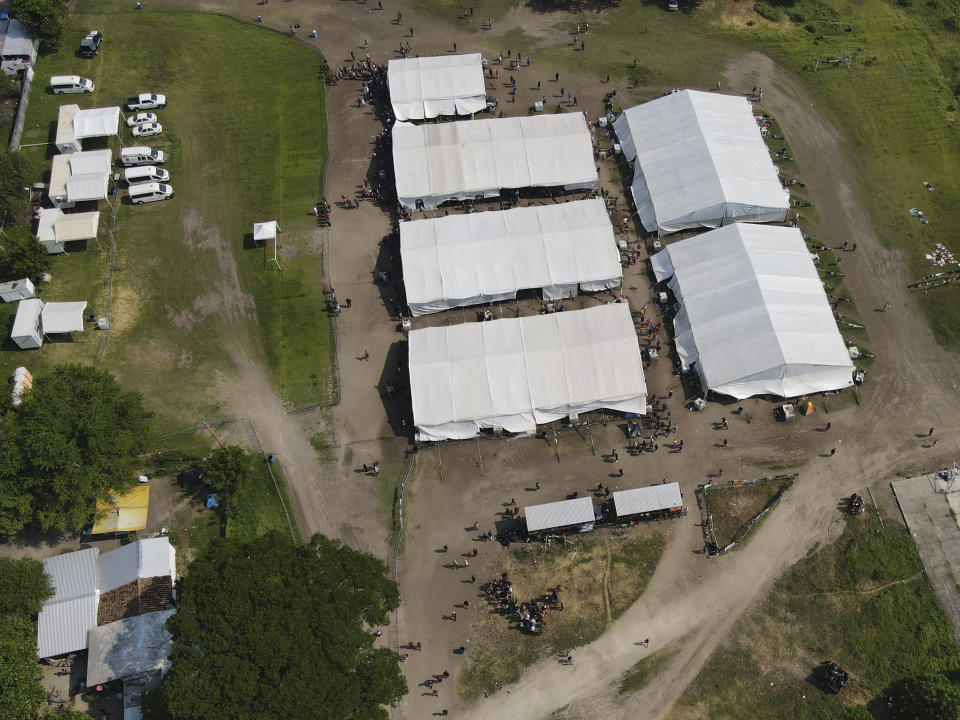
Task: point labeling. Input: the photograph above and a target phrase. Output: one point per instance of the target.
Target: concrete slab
(935, 531)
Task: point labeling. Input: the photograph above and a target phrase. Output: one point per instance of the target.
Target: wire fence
(21, 117)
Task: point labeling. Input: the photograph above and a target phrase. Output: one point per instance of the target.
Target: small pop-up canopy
(56, 228)
(80, 176)
(265, 230)
(123, 513)
(63, 317)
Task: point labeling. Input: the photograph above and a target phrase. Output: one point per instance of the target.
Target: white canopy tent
(640, 501)
(518, 372)
(76, 177)
(75, 125)
(700, 161)
(483, 257)
(562, 514)
(55, 228)
(427, 87)
(470, 158)
(26, 332)
(265, 231)
(754, 317)
(62, 317)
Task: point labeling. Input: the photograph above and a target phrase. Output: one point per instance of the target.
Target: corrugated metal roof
(73, 574)
(559, 514)
(16, 39)
(129, 647)
(62, 626)
(647, 499)
(143, 559)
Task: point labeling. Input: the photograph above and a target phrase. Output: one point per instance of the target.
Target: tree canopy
(24, 585)
(928, 697)
(76, 437)
(21, 255)
(43, 18)
(13, 197)
(266, 629)
(228, 469)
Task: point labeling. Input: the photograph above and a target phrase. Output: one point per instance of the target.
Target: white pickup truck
(146, 101)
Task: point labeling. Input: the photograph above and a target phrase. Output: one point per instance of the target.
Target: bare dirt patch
(733, 506)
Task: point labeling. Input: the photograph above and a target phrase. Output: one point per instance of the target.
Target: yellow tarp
(125, 513)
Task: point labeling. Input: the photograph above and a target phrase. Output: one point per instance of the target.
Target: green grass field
(245, 132)
(862, 602)
(896, 103)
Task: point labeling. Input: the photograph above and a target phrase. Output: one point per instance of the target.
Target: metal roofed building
(640, 501)
(72, 611)
(128, 647)
(565, 514)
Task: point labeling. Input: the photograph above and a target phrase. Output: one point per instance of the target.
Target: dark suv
(90, 45)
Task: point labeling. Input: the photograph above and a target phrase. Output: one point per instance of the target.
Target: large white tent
(62, 317)
(483, 257)
(518, 372)
(754, 318)
(76, 177)
(55, 228)
(700, 161)
(427, 87)
(75, 125)
(470, 158)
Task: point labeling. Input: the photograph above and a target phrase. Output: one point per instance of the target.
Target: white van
(145, 174)
(149, 192)
(141, 156)
(61, 84)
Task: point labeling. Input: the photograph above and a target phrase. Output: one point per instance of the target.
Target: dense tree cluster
(43, 18)
(21, 255)
(76, 437)
(267, 629)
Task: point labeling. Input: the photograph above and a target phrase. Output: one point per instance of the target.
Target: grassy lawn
(862, 602)
(602, 574)
(256, 509)
(245, 133)
(733, 506)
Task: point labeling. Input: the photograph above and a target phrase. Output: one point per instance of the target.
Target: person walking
(724, 442)
(453, 615)
(616, 455)
(930, 432)
(833, 452)
(620, 474)
(537, 485)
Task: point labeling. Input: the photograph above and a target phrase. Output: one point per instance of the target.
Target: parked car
(673, 5)
(144, 174)
(141, 119)
(146, 101)
(153, 128)
(60, 84)
(90, 45)
(140, 155)
(149, 192)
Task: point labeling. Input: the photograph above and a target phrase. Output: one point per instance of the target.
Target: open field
(190, 291)
(862, 602)
(602, 574)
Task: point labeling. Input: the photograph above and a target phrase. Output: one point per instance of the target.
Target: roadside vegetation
(192, 296)
(601, 576)
(862, 602)
(731, 507)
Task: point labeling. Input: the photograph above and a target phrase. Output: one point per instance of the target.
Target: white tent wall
(26, 332)
(516, 373)
(470, 158)
(462, 260)
(754, 316)
(428, 87)
(699, 161)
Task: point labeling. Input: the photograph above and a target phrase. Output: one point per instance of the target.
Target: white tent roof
(440, 162)
(65, 618)
(27, 321)
(440, 85)
(61, 317)
(265, 230)
(65, 116)
(132, 646)
(152, 557)
(480, 257)
(57, 226)
(518, 372)
(80, 176)
(647, 499)
(559, 514)
(96, 122)
(754, 316)
(700, 162)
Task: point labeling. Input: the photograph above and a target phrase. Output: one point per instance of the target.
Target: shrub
(768, 11)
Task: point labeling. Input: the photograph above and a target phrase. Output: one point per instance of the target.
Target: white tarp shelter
(76, 177)
(75, 125)
(427, 87)
(132, 646)
(26, 332)
(563, 514)
(643, 500)
(55, 228)
(754, 317)
(484, 257)
(14, 290)
(460, 160)
(62, 317)
(65, 619)
(518, 372)
(700, 161)
(265, 231)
